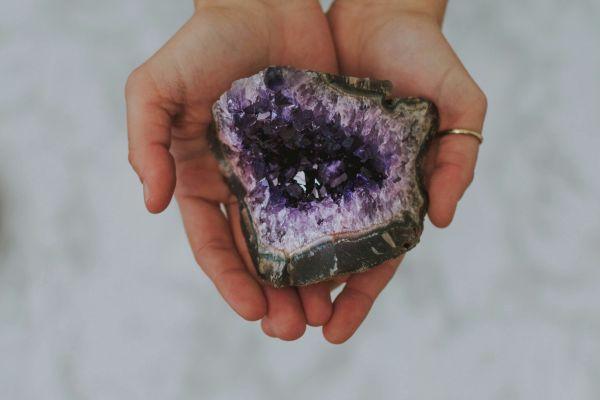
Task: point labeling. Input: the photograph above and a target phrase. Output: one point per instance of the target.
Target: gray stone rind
(347, 252)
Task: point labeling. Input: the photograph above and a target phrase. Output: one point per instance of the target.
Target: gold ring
(468, 132)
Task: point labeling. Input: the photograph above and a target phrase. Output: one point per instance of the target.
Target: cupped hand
(169, 101)
(386, 40)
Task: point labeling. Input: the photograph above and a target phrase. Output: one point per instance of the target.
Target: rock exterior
(326, 169)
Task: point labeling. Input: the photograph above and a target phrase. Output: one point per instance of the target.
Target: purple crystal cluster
(319, 160)
(304, 156)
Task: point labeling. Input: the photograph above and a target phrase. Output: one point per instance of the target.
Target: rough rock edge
(343, 253)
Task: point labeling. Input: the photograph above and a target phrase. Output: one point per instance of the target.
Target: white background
(100, 300)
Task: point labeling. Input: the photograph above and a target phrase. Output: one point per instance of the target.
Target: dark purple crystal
(273, 78)
(305, 155)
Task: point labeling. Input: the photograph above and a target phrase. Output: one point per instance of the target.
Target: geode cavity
(326, 170)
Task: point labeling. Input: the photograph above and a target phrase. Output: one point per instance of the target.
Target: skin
(169, 99)
(401, 40)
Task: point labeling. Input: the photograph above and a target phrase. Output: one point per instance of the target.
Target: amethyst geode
(326, 169)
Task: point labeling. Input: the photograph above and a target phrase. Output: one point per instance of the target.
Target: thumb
(149, 126)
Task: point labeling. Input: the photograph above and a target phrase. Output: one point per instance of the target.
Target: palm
(384, 42)
(196, 57)
(287, 310)
(410, 50)
(169, 110)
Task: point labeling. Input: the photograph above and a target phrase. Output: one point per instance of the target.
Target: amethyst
(326, 169)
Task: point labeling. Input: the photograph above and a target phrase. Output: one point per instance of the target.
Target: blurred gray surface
(100, 300)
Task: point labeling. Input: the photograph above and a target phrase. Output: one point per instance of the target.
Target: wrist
(432, 9)
(257, 3)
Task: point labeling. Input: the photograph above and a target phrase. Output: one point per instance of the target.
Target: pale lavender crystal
(314, 158)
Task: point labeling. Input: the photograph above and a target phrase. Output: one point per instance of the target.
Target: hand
(169, 101)
(386, 40)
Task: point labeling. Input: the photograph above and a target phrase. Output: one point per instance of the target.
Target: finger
(197, 171)
(352, 305)
(148, 126)
(214, 250)
(233, 214)
(316, 302)
(429, 161)
(462, 104)
(453, 171)
(285, 315)
(266, 327)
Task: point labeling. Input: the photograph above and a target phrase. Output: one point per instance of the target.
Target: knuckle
(212, 246)
(360, 296)
(480, 101)
(469, 176)
(131, 157)
(133, 81)
(229, 276)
